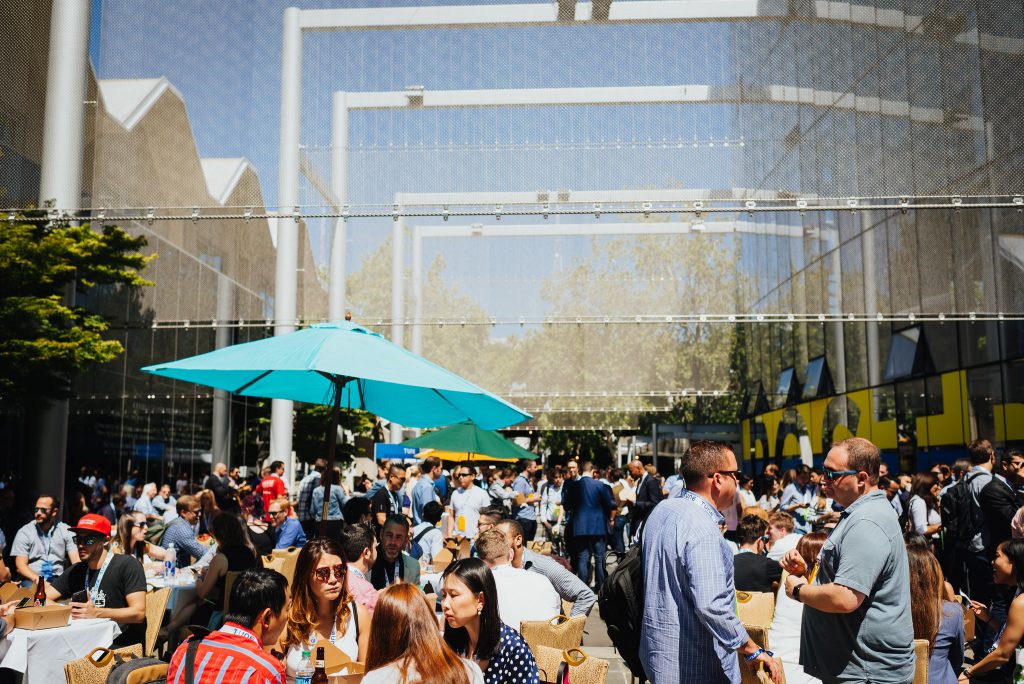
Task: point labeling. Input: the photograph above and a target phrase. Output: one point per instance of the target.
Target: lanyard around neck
(99, 578)
(334, 633)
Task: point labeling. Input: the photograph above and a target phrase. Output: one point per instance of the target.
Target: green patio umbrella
(468, 442)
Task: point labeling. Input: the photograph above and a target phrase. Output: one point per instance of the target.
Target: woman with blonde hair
(322, 607)
(406, 646)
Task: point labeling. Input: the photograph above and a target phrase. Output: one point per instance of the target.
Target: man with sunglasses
(43, 546)
(114, 583)
(856, 620)
(467, 502)
(690, 631)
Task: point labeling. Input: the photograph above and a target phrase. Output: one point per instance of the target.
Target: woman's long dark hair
(1014, 550)
(921, 485)
(477, 577)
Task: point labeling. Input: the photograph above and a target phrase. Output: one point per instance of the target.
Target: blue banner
(395, 452)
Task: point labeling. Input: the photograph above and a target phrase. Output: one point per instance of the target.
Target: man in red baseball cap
(103, 584)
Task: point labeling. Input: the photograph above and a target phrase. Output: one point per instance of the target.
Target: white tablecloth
(42, 653)
(181, 594)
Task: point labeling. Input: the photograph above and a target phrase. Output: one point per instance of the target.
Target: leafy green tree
(45, 342)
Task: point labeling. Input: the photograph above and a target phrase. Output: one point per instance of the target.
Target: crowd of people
(861, 562)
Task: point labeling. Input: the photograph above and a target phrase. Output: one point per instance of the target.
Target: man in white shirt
(467, 501)
(522, 595)
(144, 504)
(781, 536)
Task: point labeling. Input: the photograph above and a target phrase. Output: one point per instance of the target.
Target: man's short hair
(354, 540)
(750, 529)
(861, 455)
(784, 521)
(431, 462)
(522, 464)
(586, 467)
(514, 527)
(51, 497)
(254, 590)
(704, 457)
(496, 512)
(186, 502)
(492, 546)
(274, 465)
(432, 512)
(355, 508)
(284, 502)
(979, 451)
(396, 519)
(961, 466)
(395, 469)
(320, 465)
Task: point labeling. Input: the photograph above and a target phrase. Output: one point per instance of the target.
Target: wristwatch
(796, 593)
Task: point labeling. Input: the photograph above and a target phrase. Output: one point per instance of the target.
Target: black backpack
(621, 604)
(962, 519)
(127, 668)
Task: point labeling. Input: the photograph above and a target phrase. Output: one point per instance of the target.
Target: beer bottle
(319, 672)
(40, 598)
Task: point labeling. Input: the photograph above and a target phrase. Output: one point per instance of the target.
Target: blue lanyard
(715, 515)
(99, 578)
(48, 536)
(334, 634)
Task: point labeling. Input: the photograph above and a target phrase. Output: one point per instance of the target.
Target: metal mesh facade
(601, 133)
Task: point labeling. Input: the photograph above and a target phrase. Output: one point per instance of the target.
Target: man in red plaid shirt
(238, 653)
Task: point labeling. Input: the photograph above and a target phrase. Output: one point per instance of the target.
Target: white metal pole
(221, 428)
(416, 334)
(285, 276)
(397, 299)
(60, 179)
(339, 188)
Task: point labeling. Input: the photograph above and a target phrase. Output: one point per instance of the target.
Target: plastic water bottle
(170, 563)
(304, 672)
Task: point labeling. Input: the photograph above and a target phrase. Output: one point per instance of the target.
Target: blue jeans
(588, 547)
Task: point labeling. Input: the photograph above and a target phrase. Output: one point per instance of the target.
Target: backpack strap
(422, 534)
(199, 633)
(355, 616)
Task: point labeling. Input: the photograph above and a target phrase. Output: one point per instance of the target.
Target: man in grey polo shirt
(856, 621)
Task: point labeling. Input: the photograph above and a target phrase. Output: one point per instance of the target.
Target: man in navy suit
(589, 504)
(648, 495)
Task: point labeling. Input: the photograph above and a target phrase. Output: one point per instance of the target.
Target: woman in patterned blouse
(474, 629)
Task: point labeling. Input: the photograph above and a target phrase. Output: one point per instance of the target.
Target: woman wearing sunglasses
(131, 540)
(323, 610)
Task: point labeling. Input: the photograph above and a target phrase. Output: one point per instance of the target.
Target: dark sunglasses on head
(324, 574)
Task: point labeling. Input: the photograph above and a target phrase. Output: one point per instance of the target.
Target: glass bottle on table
(40, 596)
(320, 671)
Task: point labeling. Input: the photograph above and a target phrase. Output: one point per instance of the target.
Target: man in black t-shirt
(752, 570)
(388, 499)
(115, 584)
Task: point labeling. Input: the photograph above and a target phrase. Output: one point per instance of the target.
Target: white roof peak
(128, 100)
(222, 175)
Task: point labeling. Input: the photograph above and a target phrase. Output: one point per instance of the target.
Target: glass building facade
(531, 206)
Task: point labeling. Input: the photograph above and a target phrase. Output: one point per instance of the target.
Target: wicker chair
(588, 671)
(85, 671)
(156, 606)
(560, 632)
(922, 651)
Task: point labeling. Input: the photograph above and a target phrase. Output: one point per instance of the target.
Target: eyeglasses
(734, 473)
(833, 475)
(324, 574)
(87, 540)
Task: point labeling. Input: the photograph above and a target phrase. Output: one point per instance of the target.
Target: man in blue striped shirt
(690, 631)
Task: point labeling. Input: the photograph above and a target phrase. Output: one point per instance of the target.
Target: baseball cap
(95, 524)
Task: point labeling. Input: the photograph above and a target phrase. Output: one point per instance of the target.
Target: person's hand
(7, 609)
(81, 611)
(980, 611)
(794, 563)
(769, 664)
(792, 582)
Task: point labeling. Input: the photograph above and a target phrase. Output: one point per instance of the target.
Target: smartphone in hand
(80, 597)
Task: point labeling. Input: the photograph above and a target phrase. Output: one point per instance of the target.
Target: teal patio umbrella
(339, 364)
(468, 442)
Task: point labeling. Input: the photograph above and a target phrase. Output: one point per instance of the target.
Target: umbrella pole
(332, 443)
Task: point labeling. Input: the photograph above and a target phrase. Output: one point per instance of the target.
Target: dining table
(40, 654)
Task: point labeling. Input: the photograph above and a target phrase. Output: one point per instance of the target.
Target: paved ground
(597, 644)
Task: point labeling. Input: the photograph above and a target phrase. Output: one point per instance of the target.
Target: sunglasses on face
(42, 509)
(734, 473)
(833, 475)
(464, 474)
(89, 540)
(141, 524)
(324, 574)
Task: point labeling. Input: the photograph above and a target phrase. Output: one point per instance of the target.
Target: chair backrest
(590, 671)
(921, 650)
(755, 607)
(566, 607)
(968, 624)
(560, 632)
(229, 581)
(290, 556)
(156, 605)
